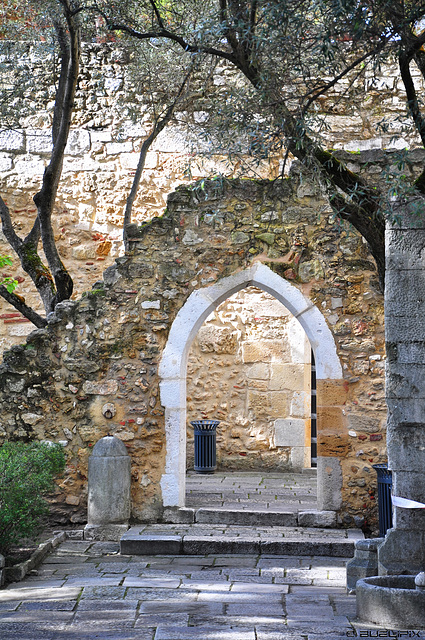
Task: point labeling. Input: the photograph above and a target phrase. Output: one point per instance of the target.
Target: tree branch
(412, 100)
(157, 14)
(371, 227)
(317, 93)
(159, 125)
(19, 304)
(45, 198)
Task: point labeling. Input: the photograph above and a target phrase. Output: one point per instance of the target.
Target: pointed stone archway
(173, 375)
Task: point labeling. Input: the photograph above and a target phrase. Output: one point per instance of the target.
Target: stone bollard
(365, 561)
(109, 490)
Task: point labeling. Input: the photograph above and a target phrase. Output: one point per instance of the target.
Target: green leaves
(7, 281)
(27, 472)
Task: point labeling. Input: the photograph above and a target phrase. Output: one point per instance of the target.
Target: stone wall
(249, 368)
(114, 362)
(103, 150)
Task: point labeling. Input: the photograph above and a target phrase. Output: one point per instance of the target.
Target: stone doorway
(173, 369)
(249, 367)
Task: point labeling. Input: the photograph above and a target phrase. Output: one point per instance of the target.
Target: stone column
(404, 546)
(109, 490)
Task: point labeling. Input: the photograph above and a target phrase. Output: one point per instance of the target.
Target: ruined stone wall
(249, 368)
(105, 348)
(103, 150)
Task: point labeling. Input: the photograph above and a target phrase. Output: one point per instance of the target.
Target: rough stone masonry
(114, 362)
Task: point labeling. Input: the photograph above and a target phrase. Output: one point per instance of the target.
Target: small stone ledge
(105, 532)
(178, 515)
(322, 519)
(141, 541)
(19, 571)
(246, 518)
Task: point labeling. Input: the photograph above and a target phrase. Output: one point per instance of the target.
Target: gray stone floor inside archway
(252, 490)
(252, 497)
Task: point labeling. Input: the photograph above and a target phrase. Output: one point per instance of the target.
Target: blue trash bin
(205, 445)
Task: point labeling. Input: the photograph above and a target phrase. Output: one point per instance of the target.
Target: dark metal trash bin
(205, 445)
(385, 509)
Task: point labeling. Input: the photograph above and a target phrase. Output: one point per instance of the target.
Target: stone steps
(251, 517)
(198, 539)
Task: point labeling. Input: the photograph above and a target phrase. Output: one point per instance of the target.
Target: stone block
(104, 532)
(303, 547)
(399, 324)
(115, 148)
(333, 444)
(360, 422)
(330, 419)
(78, 142)
(264, 351)
(279, 404)
(323, 519)
(365, 561)
(134, 544)
(246, 518)
(259, 371)
(405, 443)
(12, 140)
(406, 380)
(212, 339)
(289, 432)
(405, 250)
(39, 141)
(287, 376)
(201, 545)
(329, 484)
(299, 457)
(29, 166)
(171, 140)
(300, 405)
(179, 515)
(5, 162)
(332, 392)
(103, 388)
(403, 551)
(258, 402)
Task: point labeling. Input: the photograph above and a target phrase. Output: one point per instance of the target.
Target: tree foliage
(291, 53)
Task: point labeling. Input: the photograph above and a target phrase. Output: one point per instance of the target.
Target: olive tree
(291, 53)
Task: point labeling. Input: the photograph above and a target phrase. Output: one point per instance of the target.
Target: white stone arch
(172, 369)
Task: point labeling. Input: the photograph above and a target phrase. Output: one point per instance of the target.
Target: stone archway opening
(173, 372)
(250, 367)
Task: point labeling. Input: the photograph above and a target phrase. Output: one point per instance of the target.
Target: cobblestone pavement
(87, 591)
(253, 491)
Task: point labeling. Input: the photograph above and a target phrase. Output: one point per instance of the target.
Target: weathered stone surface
(109, 483)
(317, 519)
(108, 345)
(365, 561)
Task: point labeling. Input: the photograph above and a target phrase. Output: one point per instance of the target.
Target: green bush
(27, 473)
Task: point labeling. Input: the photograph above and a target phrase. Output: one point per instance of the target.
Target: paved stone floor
(87, 591)
(252, 490)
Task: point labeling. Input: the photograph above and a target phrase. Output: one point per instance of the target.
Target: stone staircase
(245, 513)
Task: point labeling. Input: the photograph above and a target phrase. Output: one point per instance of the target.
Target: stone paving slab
(208, 597)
